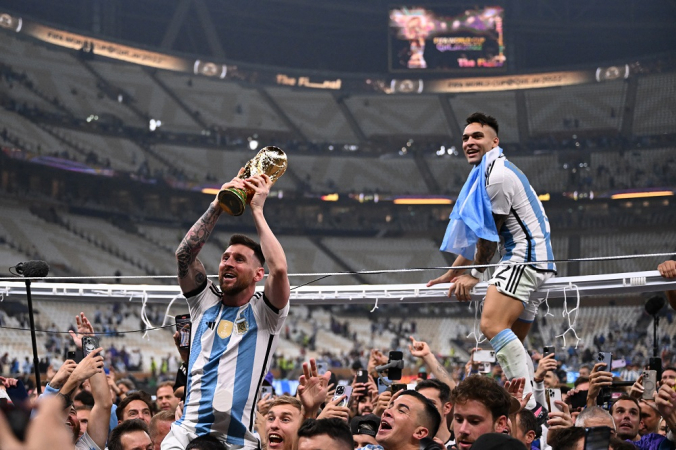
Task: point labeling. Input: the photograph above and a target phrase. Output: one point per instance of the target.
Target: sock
(512, 357)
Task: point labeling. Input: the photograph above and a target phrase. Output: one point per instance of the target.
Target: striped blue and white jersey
(525, 235)
(230, 354)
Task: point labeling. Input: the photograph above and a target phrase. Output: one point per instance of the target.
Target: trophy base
(232, 201)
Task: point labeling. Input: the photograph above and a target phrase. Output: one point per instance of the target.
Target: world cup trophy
(270, 161)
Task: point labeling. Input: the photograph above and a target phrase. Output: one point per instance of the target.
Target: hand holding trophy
(270, 161)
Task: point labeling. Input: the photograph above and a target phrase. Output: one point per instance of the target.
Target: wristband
(476, 274)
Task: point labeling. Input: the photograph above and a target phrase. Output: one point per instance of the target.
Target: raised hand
(84, 328)
(546, 364)
(312, 388)
(62, 375)
(89, 366)
(260, 186)
(561, 419)
(333, 411)
(419, 349)
(515, 389)
(597, 380)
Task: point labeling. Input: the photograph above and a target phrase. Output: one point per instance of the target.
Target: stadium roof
(352, 35)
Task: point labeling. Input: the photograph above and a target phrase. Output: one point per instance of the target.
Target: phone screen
(183, 326)
(392, 373)
(89, 344)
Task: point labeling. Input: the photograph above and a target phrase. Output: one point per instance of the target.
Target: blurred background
(119, 120)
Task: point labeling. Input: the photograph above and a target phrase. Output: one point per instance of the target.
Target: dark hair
(246, 241)
(483, 119)
(444, 390)
(672, 368)
(486, 391)
(336, 429)
(618, 444)
(581, 380)
(206, 442)
(528, 422)
(128, 426)
(138, 395)
(565, 438)
(430, 417)
(625, 397)
(86, 398)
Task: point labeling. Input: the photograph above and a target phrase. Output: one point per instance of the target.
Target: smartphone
(484, 356)
(606, 357)
(548, 350)
(597, 438)
(619, 363)
(382, 387)
(343, 390)
(485, 367)
(396, 387)
(322, 368)
(362, 376)
(553, 394)
(183, 326)
(70, 355)
(266, 390)
(395, 374)
(649, 382)
(422, 375)
(89, 344)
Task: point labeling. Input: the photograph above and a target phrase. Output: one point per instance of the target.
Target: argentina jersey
(525, 235)
(230, 354)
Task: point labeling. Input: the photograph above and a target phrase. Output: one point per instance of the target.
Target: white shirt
(525, 235)
(230, 353)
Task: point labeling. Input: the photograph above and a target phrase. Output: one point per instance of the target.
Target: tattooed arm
(462, 285)
(191, 272)
(486, 249)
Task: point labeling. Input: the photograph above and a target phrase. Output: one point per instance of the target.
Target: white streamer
(166, 314)
(566, 314)
(478, 306)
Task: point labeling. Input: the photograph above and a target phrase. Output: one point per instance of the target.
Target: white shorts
(177, 439)
(519, 282)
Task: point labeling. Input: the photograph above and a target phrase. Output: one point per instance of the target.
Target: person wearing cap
(364, 430)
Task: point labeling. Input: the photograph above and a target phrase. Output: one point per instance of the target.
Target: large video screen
(446, 39)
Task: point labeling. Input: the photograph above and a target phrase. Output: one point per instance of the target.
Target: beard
(234, 289)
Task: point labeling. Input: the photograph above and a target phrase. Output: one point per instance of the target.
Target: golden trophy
(270, 161)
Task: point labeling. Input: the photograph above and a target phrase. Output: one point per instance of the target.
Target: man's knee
(489, 328)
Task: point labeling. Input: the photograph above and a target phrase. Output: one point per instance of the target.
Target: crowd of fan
(472, 407)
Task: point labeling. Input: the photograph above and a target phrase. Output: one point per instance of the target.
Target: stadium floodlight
(154, 124)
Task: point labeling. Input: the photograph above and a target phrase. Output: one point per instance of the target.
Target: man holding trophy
(234, 328)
